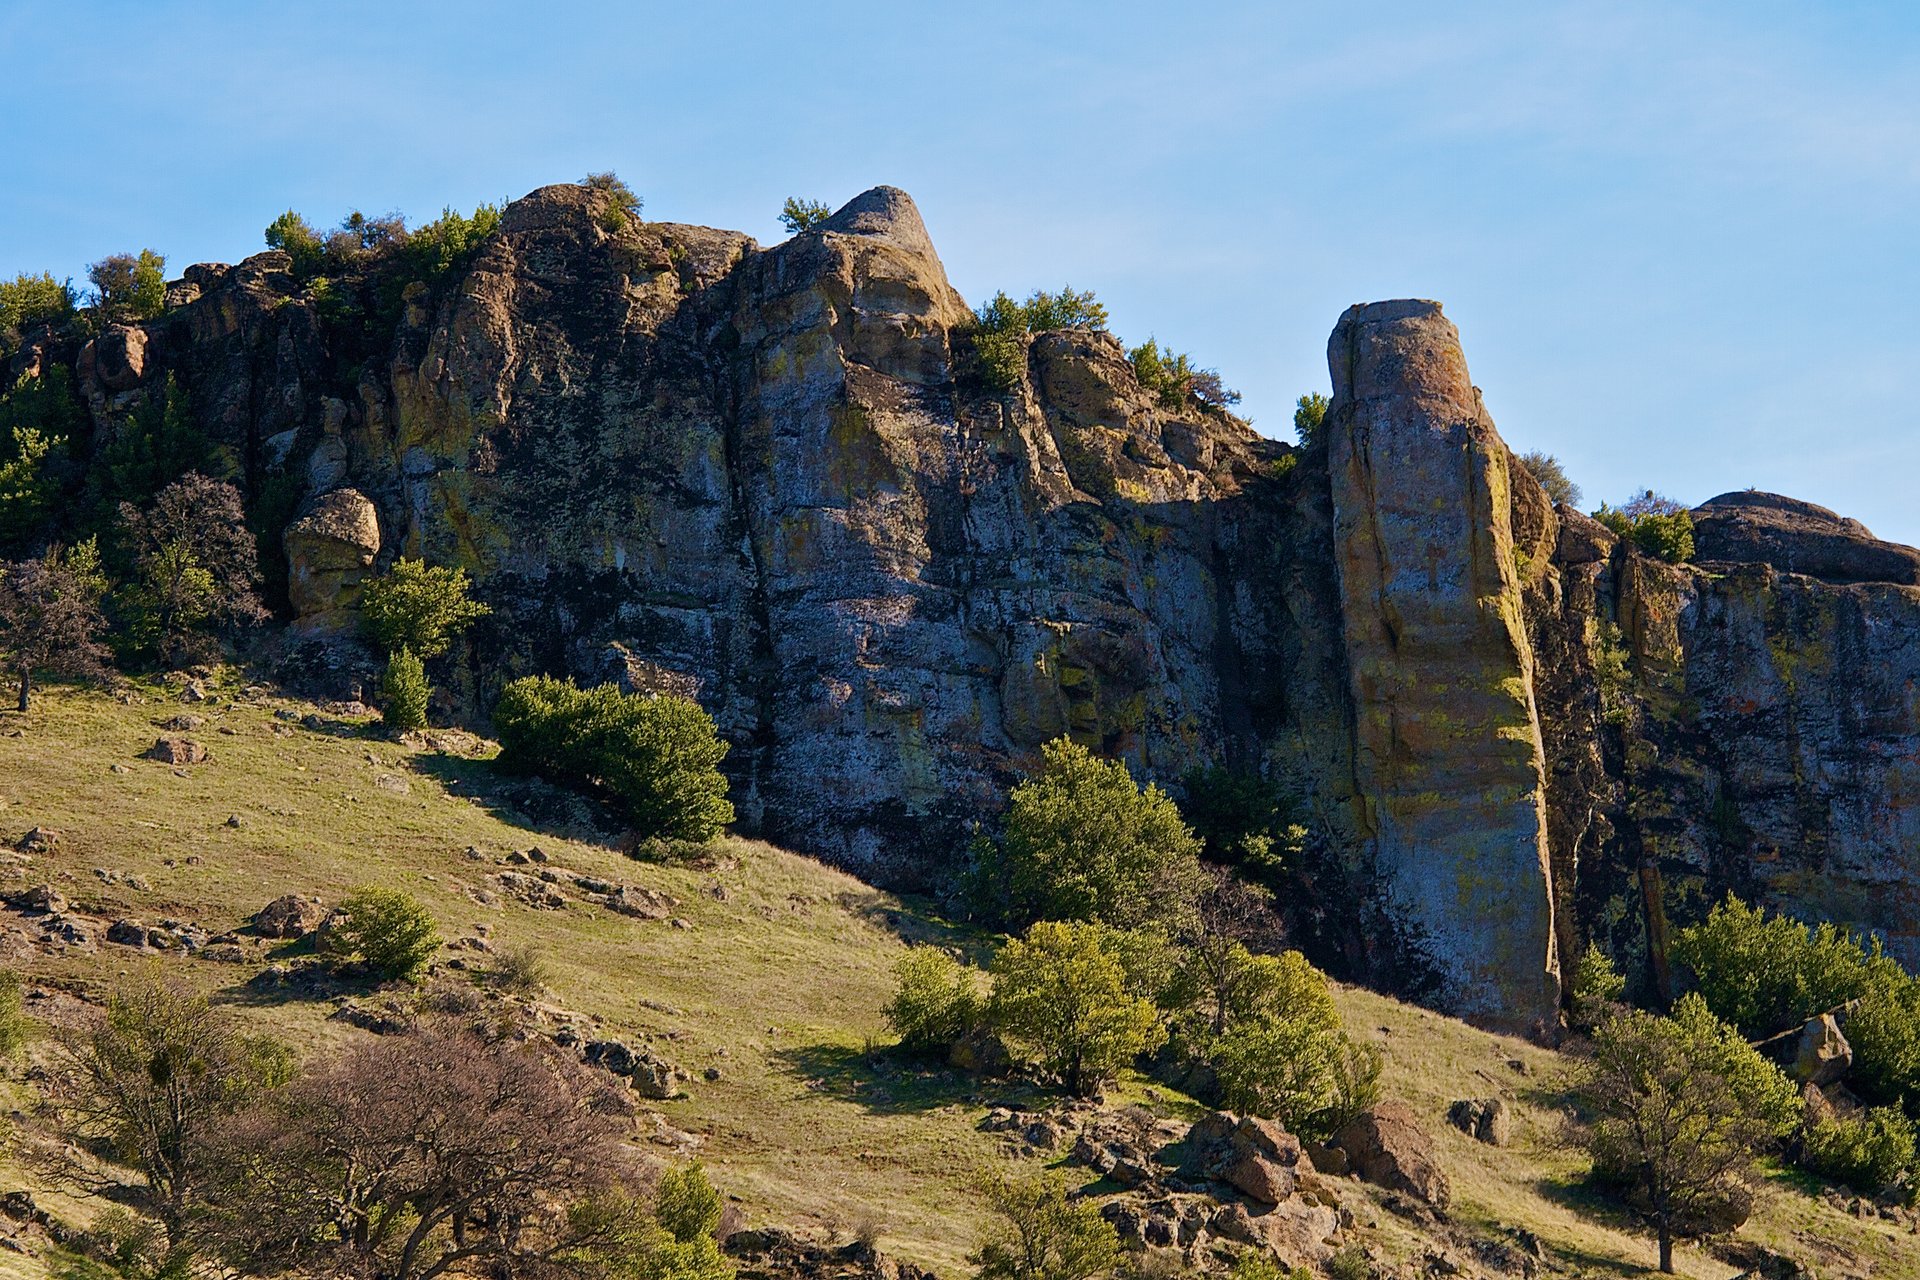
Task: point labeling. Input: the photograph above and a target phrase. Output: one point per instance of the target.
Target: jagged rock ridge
(766, 476)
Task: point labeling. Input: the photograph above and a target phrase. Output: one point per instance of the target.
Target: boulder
(651, 1076)
(43, 898)
(289, 916)
(39, 840)
(115, 361)
(1821, 1054)
(1258, 1178)
(176, 750)
(1389, 1147)
(1794, 536)
(1488, 1119)
(329, 550)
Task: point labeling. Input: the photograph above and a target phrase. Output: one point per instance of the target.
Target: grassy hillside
(772, 972)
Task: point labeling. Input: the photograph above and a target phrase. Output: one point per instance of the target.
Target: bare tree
(1228, 915)
(50, 618)
(141, 1086)
(439, 1151)
(196, 563)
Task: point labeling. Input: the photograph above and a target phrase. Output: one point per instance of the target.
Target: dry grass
(777, 982)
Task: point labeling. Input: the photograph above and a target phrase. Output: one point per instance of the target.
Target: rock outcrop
(1447, 753)
(774, 479)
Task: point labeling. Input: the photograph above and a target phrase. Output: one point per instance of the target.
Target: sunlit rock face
(775, 479)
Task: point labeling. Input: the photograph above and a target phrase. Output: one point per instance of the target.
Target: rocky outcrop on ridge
(772, 478)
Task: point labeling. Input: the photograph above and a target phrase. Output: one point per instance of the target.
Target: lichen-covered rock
(329, 550)
(1448, 754)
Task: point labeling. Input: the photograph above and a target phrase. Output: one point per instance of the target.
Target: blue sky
(1679, 239)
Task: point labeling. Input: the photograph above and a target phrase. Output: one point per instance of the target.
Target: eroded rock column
(1447, 749)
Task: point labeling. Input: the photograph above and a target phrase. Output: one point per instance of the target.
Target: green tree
(1884, 1030)
(1175, 379)
(1242, 818)
(158, 445)
(1082, 841)
(387, 929)
(296, 236)
(404, 691)
(449, 240)
(1551, 476)
(1309, 413)
(937, 1000)
(31, 299)
(1597, 989)
(798, 215)
(1001, 329)
(129, 287)
(1681, 1108)
(1042, 1233)
(658, 756)
(1060, 995)
(418, 607)
(39, 417)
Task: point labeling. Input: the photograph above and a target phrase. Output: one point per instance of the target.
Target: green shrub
(388, 929)
(1175, 379)
(1884, 1030)
(1868, 1152)
(1309, 413)
(28, 300)
(1060, 997)
(1042, 1233)
(658, 756)
(1768, 974)
(686, 1204)
(1657, 525)
(449, 240)
(798, 215)
(617, 207)
(1284, 1054)
(160, 444)
(1596, 988)
(937, 1002)
(1002, 326)
(295, 236)
(418, 607)
(1551, 476)
(403, 692)
(1082, 841)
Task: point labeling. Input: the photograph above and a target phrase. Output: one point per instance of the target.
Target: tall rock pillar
(1447, 750)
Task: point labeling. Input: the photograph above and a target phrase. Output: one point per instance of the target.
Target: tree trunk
(26, 686)
(1666, 1249)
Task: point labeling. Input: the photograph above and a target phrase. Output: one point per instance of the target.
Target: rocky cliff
(774, 479)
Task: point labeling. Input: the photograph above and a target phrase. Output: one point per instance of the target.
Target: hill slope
(769, 968)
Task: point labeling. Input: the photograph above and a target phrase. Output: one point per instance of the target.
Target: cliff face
(671, 457)
(769, 478)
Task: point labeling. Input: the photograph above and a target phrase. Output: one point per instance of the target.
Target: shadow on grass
(530, 804)
(917, 920)
(886, 1084)
(1596, 1206)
